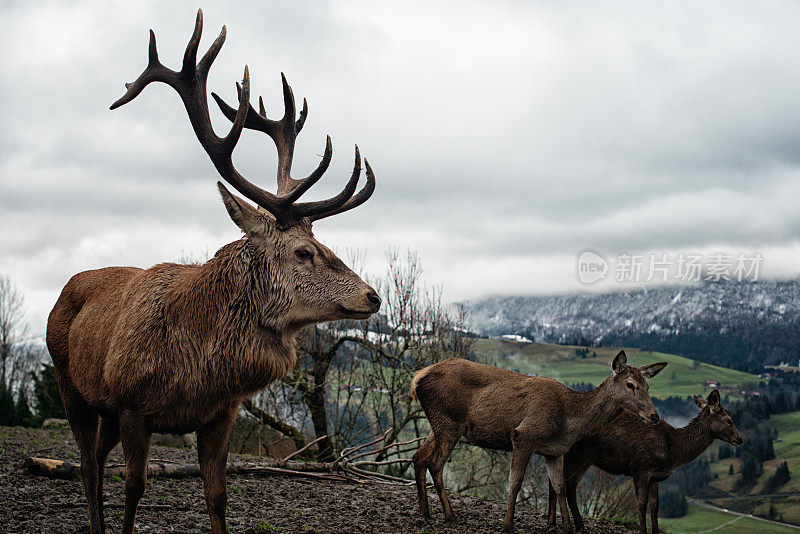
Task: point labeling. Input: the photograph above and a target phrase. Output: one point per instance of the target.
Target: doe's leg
(641, 483)
(552, 503)
(520, 456)
(422, 461)
(572, 482)
(446, 437)
(555, 471)
(653, 498)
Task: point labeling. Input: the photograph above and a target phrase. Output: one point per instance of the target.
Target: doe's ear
(649, 371)
(700, 401)
(242, 213)
(620, 361)
(713, 398)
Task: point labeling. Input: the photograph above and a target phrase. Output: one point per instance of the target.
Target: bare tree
(13, 327)
(352, 378)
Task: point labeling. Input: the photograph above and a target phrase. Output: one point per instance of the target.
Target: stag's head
(719, 421)
(315, 284)
(629, 389)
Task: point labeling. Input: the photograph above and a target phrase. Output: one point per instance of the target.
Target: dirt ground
(32, 504)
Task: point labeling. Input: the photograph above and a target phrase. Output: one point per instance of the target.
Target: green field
(682, 377)
(701, 519)
(788, 450)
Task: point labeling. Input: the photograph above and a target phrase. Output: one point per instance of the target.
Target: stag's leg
(653, 498)
(135, 434)
(422, 461)
(83, 421)
(641, 485)
(213, 440)
(107, 439)
(555, 470)
(520, 456)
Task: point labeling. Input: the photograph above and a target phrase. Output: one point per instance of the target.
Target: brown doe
(177, 348)
(503, 410)
(648, 453)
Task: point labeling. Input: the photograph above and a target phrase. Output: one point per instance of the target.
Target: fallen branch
(343, 469)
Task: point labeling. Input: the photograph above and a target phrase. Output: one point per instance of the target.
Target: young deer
(648, 453)
(503, 410)
(177, 348)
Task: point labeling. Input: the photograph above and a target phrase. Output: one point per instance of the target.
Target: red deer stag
(499, 409)
(177, 348)
(648, 453)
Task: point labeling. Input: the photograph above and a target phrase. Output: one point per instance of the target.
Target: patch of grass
(263, 526)
(115, 478)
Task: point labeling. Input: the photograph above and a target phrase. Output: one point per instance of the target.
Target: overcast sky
(506, 137)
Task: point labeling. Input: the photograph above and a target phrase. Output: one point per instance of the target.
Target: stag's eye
(303, 254)
(631, 387)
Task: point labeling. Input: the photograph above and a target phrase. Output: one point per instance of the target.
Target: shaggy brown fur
(648, 453)
(499, 409)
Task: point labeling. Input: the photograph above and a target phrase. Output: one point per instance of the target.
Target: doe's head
(629, 387)
(719, 421)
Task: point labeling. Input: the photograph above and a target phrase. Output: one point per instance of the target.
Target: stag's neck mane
(592, 409)
(234, 306)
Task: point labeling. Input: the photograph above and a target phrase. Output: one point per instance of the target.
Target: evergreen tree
(47, 395)
(730, 470)
(22, 411)
(779, 478)
(6, 405)
(672, 502)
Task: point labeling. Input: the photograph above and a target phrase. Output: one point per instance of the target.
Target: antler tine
(190, 84)
(284, 132)
(354, 201)
(310, 209)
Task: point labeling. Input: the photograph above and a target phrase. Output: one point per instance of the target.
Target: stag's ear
(649, 371)
(700, 401)
(242, 213)
(713, 398)
(620, 361)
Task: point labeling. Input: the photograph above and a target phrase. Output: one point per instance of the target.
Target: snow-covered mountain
(740, 325)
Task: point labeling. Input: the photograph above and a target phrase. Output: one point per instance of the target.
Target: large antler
(190, 83)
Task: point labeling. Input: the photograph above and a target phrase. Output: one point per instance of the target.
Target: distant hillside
(738, 325)
(571, 365)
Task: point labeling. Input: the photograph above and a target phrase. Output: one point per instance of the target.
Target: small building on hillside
(711, 384)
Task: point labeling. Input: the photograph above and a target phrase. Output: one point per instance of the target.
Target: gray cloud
(506, 136)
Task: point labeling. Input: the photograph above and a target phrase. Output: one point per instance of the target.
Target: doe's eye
(303, 254)
(631, 387)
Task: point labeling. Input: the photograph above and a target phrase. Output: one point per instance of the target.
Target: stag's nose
(654, 418)
(374, 299)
